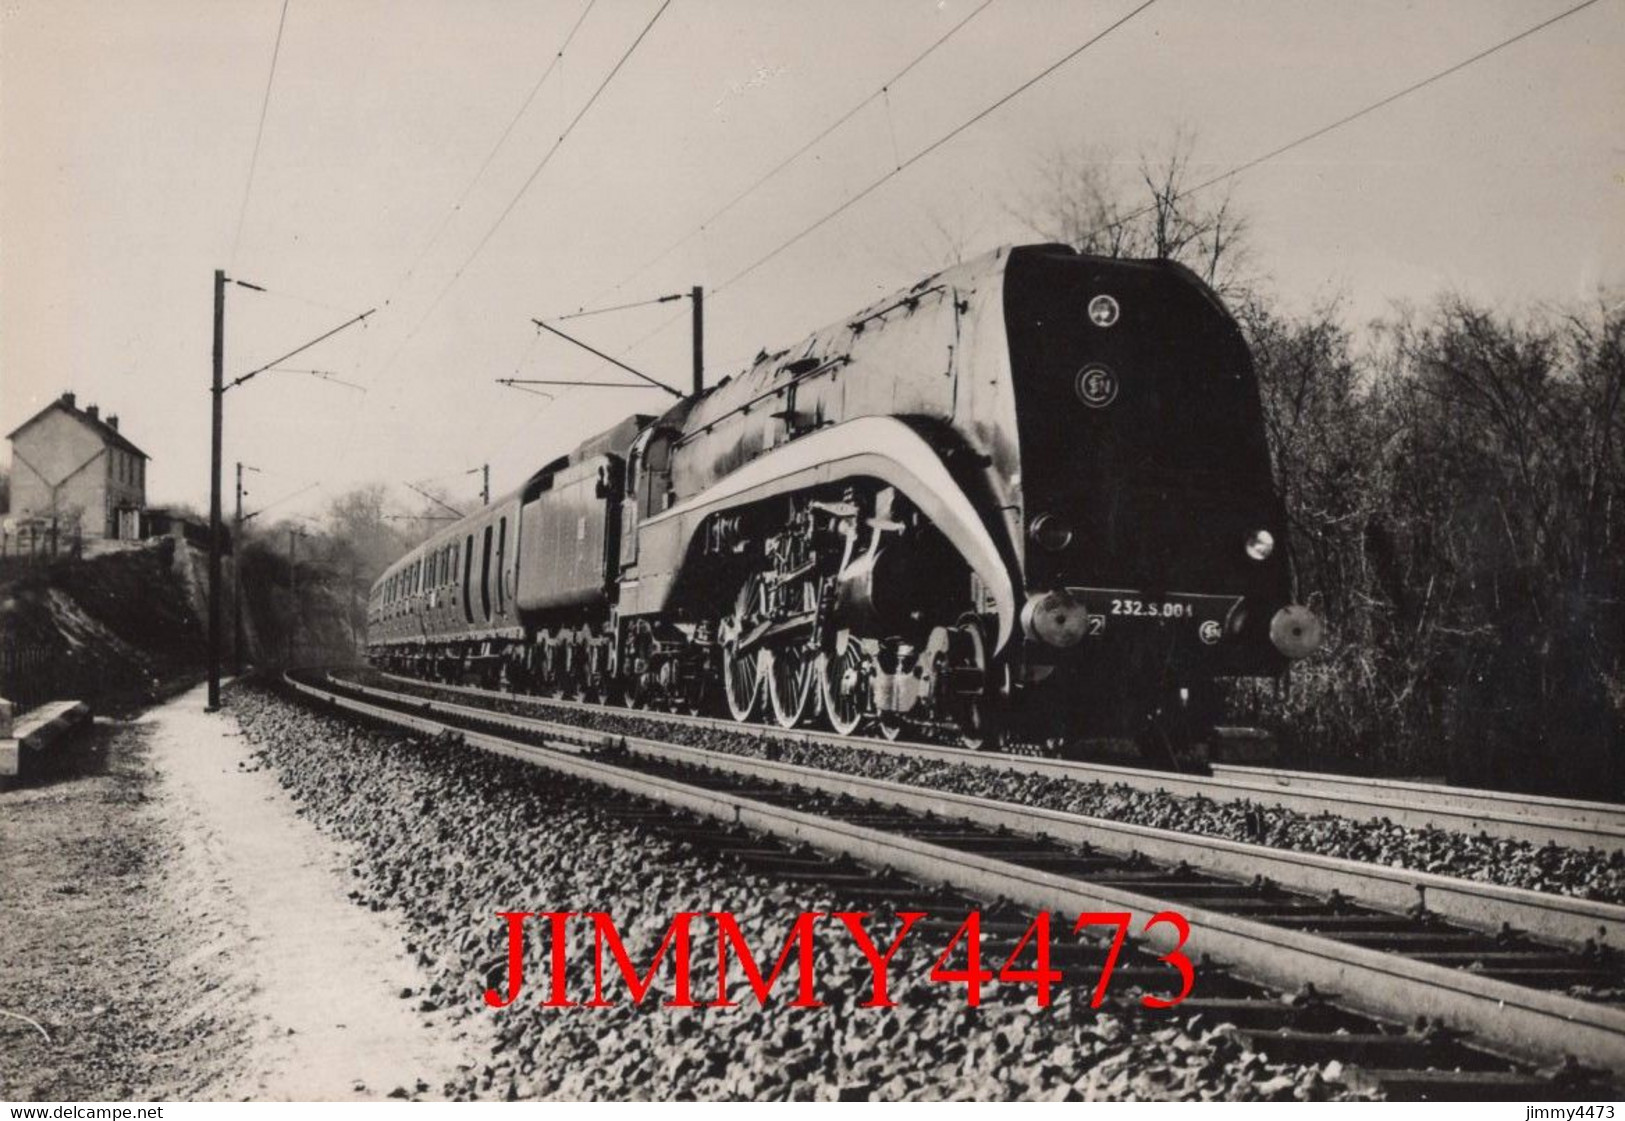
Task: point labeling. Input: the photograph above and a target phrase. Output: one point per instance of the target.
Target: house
(74, 467)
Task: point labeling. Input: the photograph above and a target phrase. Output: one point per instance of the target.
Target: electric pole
(217, 422)
(484, 472)
(217, 394)
(293, 584)
(237, 578)
(696, 296)
(237, 574)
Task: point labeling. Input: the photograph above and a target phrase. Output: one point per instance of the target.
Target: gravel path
(446, 837)
(1587, 874)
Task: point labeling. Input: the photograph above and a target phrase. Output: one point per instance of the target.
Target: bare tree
(1087, 198)
(955, 234)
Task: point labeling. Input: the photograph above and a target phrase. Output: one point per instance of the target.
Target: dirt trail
(178, 930)
(319, 977)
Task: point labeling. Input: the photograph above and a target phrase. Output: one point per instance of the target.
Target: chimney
(93, 411)
(67, 399)
(112, 421)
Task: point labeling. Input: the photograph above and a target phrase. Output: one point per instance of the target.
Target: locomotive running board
(869, 447)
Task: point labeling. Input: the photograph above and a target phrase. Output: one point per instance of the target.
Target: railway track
(1520, 817)
(1499, 1002)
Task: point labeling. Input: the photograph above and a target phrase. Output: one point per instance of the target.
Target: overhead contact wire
(530, 180)
(799, 152)
(934, 145)
(490, 156)
(259, 134)
(1364, 112)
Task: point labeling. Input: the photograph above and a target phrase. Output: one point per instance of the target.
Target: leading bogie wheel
(977, 715)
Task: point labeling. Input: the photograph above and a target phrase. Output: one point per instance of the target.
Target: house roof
(107, 432)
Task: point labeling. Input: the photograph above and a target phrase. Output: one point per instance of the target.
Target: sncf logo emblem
(1096, 386)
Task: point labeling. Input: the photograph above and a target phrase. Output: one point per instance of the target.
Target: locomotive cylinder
(888, 591)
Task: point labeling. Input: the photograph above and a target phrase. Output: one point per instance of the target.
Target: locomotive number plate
(1112, 610)
(1152, 609)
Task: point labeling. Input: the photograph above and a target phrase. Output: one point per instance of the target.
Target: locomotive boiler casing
(914, 392)
(993, 397)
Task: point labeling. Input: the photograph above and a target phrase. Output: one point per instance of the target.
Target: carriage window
(468, 566)
(485, 576)
(502, 556)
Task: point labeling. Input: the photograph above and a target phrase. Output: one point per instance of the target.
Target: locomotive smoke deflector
(882, 448)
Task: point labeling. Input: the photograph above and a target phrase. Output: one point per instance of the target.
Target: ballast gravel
(1556, 869)
(447, 837)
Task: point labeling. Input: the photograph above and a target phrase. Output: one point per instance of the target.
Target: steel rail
(1609, 816)
(1536, 820)
(1526, 1024)
(1561, 919)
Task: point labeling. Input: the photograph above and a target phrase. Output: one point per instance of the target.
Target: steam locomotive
(1028, 497)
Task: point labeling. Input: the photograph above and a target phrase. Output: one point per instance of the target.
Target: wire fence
(32, 673)
(37, 541)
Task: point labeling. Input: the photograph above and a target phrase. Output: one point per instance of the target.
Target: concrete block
(39, 729)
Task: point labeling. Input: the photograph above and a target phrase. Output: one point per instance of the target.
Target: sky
(129, 172)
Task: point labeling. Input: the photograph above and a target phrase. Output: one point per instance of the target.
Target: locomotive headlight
(1260, 545)
(1103, 311)
(1051, 532)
